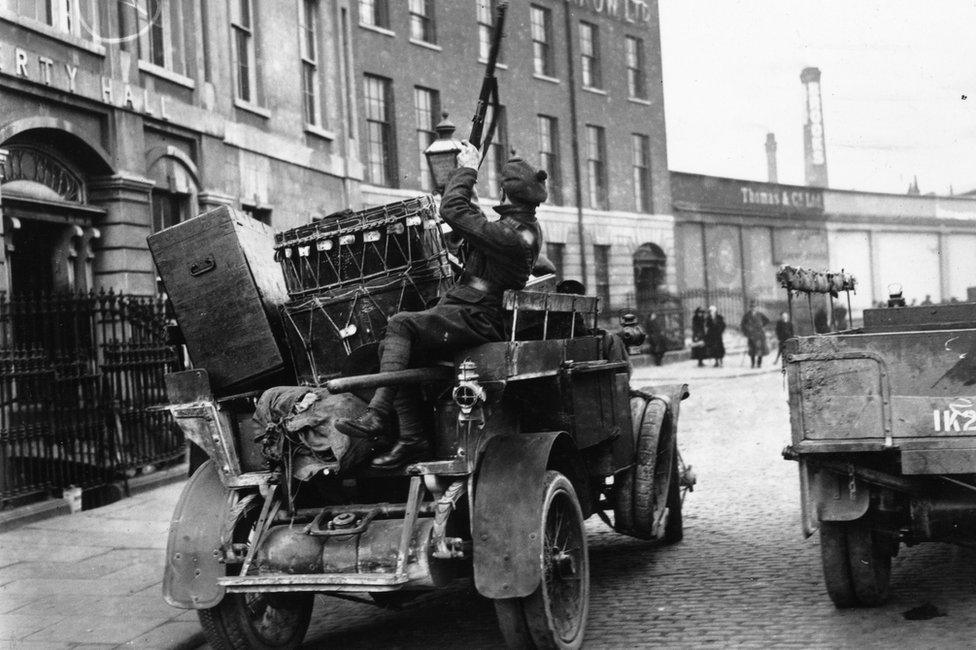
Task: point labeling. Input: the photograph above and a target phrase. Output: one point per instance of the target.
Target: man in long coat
(753, 327)
(714, 328)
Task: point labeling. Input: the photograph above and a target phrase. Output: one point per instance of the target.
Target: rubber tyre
(257, 621)
(554, 615)
(869, 558)
(644, 488)
(836, 566)
(674, 529)
(623, 482)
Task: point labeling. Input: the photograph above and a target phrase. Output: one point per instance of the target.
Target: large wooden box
(226, 287)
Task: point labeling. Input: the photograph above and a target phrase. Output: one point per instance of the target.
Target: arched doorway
(48, 225)
(650, 275)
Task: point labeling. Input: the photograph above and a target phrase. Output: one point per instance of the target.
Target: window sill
(639, 100)
(318, 131)
(595, 91)
(42, 28)
(252, 108)
(429, 46)
(500, 66)
(168, 75)
(542, 77)
(379, 30)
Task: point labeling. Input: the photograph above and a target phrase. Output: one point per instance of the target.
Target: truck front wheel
(856, 563)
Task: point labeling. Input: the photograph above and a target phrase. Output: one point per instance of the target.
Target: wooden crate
(220, 273)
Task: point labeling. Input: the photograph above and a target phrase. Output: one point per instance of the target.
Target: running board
(315, 582)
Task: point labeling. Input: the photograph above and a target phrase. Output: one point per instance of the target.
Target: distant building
(733, 234)
(588, 108)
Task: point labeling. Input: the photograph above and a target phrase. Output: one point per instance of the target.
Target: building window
(261, 214)
(375, 13)
(75, 17)
(495, 158)
(310, 62)
(422, 21)
(541, 19)
(549, 156)
(380, 154)
(150, 27)
(168, 209)
(636, 75)
(242, 22)
(486, 21)
(557, 255)
(601, 256)
(641, 145)
(596, 167)
(590, 55)
(426, 109)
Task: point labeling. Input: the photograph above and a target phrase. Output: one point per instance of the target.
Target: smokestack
(814, 143)
(771, 158)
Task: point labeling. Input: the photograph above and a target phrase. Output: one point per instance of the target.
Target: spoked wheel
(856, 563)
(554, 616)
(259, 621)
(674, 530)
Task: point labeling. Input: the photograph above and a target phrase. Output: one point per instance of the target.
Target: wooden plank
(554, 302)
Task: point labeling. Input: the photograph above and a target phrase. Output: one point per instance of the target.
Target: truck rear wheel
(856, 564)
(261, 621)
(554, 615)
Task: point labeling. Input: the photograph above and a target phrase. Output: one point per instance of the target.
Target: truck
(883, 421)
(530, 436)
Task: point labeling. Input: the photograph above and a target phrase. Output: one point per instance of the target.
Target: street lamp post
(442, 154)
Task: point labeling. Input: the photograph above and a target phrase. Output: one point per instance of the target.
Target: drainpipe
(574, 137)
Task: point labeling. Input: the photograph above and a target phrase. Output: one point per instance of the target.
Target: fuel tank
(289, 549)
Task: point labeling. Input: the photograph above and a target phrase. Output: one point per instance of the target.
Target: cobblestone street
(743, 575)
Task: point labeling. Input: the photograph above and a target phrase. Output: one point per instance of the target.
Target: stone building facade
(580, 82)
(123, 118)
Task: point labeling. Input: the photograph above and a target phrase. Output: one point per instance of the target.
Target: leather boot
(410, 447)
(371, 424)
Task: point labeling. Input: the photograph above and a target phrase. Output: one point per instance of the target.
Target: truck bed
(913, 391)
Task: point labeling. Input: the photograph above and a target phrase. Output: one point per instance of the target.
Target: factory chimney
(771, 158)
(814, 144)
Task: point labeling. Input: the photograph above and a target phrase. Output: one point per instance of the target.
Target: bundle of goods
(403, 238)
(348, 273)
(793, 278)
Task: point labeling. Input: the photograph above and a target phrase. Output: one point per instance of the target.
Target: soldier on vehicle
(500, 256)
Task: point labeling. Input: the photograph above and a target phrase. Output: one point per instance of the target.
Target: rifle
(489, 87)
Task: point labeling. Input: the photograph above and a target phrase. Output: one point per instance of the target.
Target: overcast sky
(894, 73)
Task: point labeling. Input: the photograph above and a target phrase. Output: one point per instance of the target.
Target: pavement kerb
(56, 507)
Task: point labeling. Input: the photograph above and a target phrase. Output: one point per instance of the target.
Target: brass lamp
(442, 154)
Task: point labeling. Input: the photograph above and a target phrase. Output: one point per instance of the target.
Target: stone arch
(63, 136)
(650, 273)
(175, 195)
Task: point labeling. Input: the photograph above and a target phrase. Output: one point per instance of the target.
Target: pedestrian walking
(753, 327)
(784, 331)
(714, 329)
(655, 337)
(698, 350)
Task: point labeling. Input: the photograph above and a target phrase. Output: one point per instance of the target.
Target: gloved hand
(469, 156)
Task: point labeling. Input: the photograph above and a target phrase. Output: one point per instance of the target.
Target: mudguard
(672, 394)
(508, 511)
(829, 496)
(193, 546)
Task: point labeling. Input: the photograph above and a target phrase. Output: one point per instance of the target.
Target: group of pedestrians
(708, 328)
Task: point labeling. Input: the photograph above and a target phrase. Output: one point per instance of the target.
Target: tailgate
(915, 391)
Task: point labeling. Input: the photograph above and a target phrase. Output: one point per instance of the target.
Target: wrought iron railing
(78, 375)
